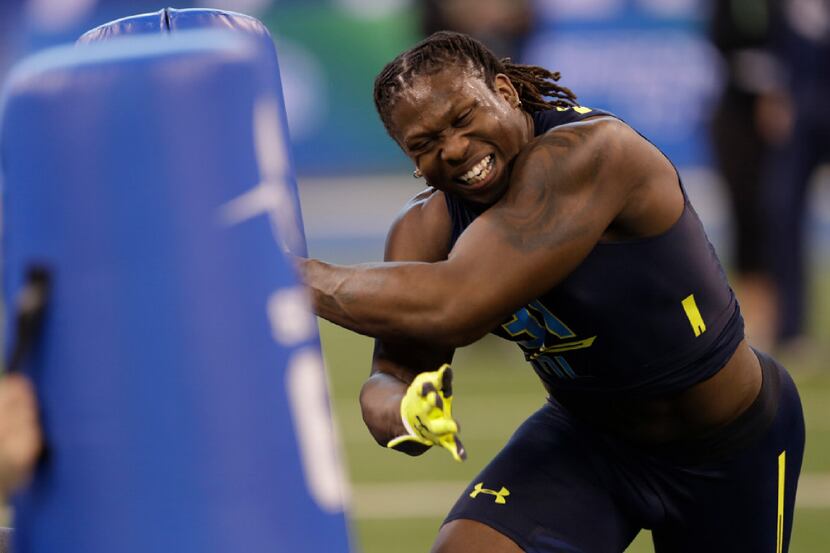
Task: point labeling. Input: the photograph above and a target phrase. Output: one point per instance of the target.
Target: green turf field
(398, 501)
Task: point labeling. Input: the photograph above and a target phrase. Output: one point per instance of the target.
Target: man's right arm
(421, 233)
(394, 366)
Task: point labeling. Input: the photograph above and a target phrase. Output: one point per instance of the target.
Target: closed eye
(463, 119)
(419, 145)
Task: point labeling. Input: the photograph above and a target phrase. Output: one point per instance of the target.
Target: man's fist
(20, 436)
(426, 412)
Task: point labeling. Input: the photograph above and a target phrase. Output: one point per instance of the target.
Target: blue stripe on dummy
(182, 391)
(170, 20)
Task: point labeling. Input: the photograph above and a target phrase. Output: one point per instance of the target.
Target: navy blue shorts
(561, 486)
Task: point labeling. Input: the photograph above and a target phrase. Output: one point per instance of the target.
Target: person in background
(20, 437)
(502, 25)
(744, 125)
(798, 117)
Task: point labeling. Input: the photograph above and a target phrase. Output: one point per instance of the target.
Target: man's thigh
(545, 492)
(470, 536)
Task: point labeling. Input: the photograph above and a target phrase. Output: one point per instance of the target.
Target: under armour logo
(500, 495)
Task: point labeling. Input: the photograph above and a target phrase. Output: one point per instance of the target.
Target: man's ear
(504, 87)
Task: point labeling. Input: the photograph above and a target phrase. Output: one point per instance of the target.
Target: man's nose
(454, 149)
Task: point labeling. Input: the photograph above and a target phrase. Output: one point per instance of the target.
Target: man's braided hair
(444, 48)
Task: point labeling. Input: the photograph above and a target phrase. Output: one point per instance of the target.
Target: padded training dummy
(171, 20)
(178, 371)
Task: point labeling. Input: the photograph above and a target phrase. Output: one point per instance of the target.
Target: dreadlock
(534, 84)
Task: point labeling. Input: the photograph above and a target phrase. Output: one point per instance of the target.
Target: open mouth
(479, 171)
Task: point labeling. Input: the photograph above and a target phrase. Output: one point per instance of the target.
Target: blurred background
(733, 91)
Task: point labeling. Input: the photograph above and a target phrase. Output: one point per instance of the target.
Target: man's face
(460, 133)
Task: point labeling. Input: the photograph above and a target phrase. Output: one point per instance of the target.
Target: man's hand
(426, 411)
(20, 436)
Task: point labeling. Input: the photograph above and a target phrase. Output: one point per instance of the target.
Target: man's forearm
(380, 401)
(386, 300)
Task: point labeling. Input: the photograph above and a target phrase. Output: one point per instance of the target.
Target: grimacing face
(460, 133)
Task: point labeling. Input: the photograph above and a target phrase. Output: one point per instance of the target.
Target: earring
(416, 174)
(518, 103)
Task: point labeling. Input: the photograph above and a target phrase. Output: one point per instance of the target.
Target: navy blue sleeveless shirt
(644, 317)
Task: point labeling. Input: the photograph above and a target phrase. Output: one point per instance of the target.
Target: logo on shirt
(544, 337)
(693, 314)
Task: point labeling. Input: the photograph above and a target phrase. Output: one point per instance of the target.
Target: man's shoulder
(586, 161)
(574, 145)
(423, 221)
(545, 120)
(424, 206)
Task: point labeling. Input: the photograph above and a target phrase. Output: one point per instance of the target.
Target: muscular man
(562, 229)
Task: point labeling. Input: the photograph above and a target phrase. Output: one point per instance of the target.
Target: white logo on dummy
(271, 195)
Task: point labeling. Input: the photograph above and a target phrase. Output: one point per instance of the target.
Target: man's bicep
(421, 232)
(564, 189)
(557, 209)
(499, 274)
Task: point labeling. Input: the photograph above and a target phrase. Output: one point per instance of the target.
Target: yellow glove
(426, 412)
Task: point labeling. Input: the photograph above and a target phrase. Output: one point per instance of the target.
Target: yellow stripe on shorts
(782, 465)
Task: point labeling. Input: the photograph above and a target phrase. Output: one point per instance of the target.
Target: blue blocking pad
(182, 391)
(145, 23)
(171, 20)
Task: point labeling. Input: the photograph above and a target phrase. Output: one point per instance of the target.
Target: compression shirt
(646, 317)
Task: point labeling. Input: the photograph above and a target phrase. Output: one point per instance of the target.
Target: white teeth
(479, 171)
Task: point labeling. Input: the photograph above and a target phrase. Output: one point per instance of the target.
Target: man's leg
(554, 488)
(470, 536)
(784, 204)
